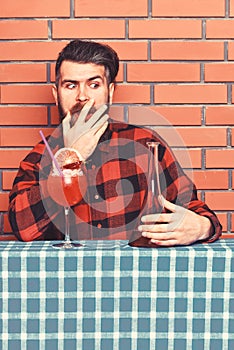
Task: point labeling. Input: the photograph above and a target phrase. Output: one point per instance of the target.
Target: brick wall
(177, 57)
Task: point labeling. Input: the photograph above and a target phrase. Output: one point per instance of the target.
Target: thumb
(166, 204)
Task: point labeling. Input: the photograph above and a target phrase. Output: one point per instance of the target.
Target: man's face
(78, 83)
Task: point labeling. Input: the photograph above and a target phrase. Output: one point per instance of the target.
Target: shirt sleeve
(27, 215)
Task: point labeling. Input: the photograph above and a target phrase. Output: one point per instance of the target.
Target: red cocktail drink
(69, 189)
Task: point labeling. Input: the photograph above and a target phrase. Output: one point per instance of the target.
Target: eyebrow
(89, 79)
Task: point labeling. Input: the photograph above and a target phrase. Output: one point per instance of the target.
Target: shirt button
(96, 196)
(99, 225)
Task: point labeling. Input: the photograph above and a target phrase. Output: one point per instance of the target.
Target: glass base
(67, 245)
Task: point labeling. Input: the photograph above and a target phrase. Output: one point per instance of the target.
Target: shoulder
(55, 141)
(135, 132)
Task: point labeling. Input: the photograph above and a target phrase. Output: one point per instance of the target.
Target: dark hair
(82, 51)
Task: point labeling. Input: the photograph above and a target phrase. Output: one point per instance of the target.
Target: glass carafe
(152, 205)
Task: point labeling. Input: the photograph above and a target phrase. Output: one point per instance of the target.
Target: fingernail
(154, 241)
(139, 228)
(144, 234)
(160, 199)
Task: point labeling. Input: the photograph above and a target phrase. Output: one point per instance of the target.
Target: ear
(55, 93)
(111, 92)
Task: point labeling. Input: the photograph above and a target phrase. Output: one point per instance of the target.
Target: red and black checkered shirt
(118, 178)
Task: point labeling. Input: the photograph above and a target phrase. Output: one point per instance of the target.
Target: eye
(94, 85)
(70, 86)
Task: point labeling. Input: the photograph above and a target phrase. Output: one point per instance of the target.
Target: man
(116, 162)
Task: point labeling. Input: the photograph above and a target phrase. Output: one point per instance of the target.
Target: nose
(82, 95)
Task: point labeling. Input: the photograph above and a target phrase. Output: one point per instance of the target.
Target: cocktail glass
(67, 190)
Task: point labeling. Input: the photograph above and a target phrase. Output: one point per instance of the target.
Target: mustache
(77, 109)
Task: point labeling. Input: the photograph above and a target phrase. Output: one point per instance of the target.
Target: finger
(85, 111)
(100, 131)
(66, 123)
(153, 218)
(101, 122)
(163, 236)
(168, 243)
(151, 229)
(98, 118)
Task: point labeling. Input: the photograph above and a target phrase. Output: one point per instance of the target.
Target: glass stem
(67, 234)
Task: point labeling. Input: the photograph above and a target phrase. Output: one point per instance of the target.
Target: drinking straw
(51, 153)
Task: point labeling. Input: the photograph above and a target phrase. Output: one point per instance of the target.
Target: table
(107, 295)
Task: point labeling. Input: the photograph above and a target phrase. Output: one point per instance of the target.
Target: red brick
(222, 28)
(7, 179)
(232, 220)
(24, 137)
(29, 50)
(166, 28)
(220, 200)
(230, 50)
(4, 200)
(120, 75)
(185, 8)
(210, 179)
(28, 8)
(191, 159)
(119, 78)
(22, 72)
(219, 115)
(7, 230)
(23, 115)
(220, 158)
(54, 115)
(10, 158)
(90, 28)
(52, 72)
(194, 136)
(26, 94)
(221, 72)
(163, 72)
(231, 5)
(223, 220)
(22, 29)
(187, 50)
(227, 236)
(161, 115)
(232, 93)
(117, 113)
(111, 8)
(130, 50)
(190, 93)
(232, 130)
(132, 94)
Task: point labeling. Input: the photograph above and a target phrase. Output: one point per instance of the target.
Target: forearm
(211, 227)
(28, 217)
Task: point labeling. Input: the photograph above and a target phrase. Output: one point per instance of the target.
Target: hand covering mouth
(75, 112)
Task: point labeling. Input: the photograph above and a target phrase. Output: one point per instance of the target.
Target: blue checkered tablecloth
(107, 295)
